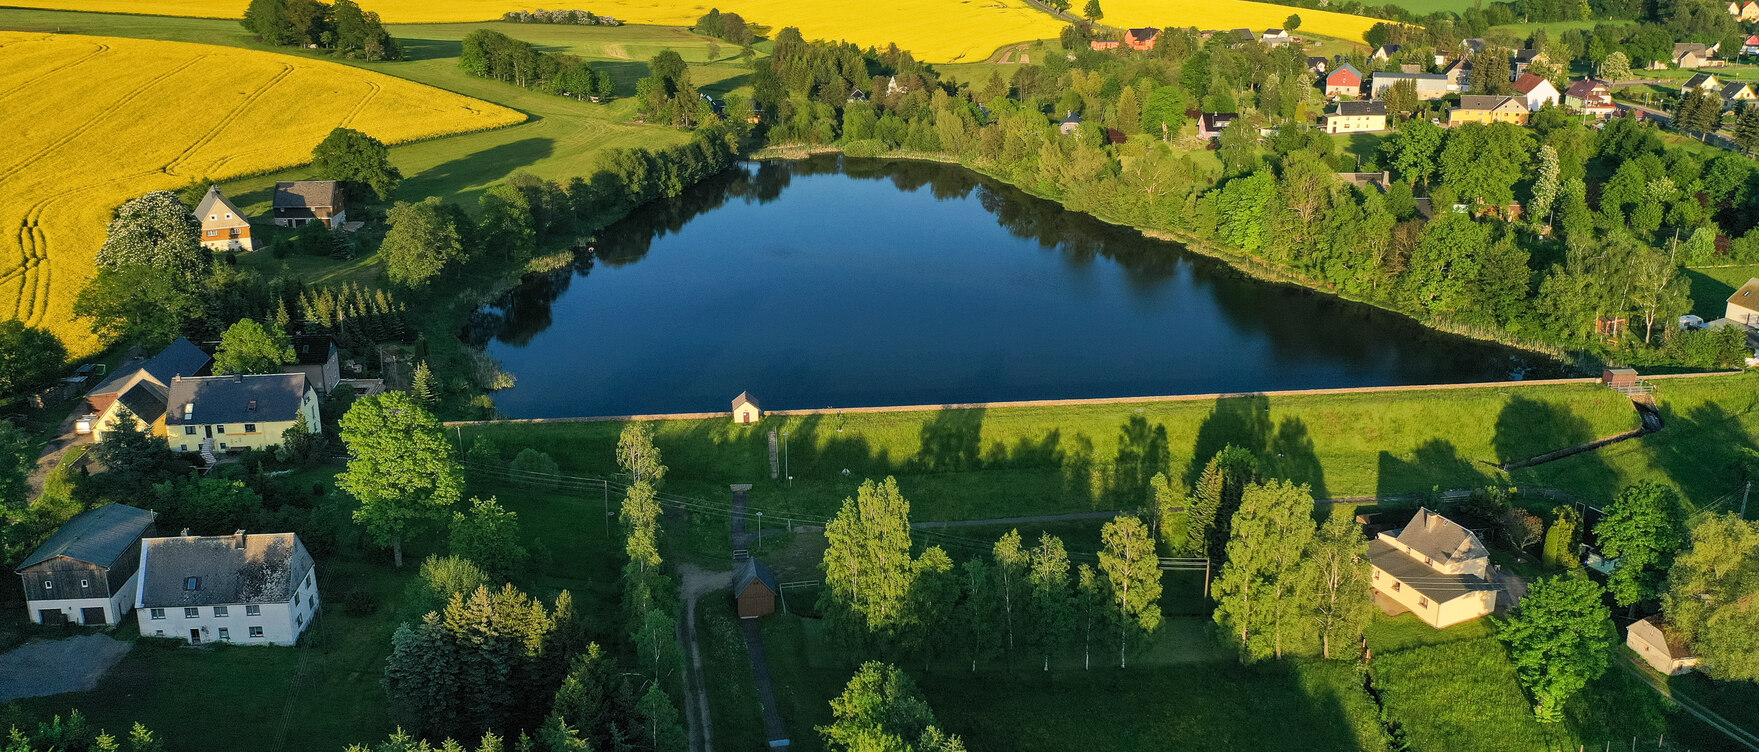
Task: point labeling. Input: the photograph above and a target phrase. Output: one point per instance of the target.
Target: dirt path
(695, 582)
(1739, 735)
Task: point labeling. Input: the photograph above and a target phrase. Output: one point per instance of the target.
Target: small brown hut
(754, 589)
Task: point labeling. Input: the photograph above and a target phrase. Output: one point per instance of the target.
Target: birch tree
(1089, 610)
(867, 564)
(1259, 590)
(1339, 555)
(1010, 573)
(976, 614)
(1132, 573)
(1049, 609)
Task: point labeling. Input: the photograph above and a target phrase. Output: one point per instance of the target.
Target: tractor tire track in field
(102, 48)
(230, 118)
(115, 107)
(361, 106)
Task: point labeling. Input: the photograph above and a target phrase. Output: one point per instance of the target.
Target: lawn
(89, 130)
(1712, 285)
(1005, 461)
(933, 30)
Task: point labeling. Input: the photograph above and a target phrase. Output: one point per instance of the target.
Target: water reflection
(845, 282)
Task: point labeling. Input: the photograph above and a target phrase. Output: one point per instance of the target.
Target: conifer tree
(421, 384)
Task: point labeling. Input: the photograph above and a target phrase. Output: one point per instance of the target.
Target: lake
(840, 282)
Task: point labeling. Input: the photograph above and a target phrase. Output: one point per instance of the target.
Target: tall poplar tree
(1132, 575)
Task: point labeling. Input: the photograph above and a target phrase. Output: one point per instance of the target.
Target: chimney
(184, 534)
(253, 406)
(238, 539)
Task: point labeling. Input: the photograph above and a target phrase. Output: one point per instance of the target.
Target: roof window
(192, 583)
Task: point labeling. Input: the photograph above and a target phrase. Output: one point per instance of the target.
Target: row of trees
(343, 27)
(431, 239)
(1025, 600)
(491, 54)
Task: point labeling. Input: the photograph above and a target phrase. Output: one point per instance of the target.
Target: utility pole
(606, 485)
(785, 472)
(1744, 493)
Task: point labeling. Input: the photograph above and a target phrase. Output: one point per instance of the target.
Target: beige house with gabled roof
(224, 227)
(1743, 306)
(1433, 568)
(1653, 641)
(746, 409)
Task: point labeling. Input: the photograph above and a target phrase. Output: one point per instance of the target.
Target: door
(195, 637)
(51, 616)
(746, 415)
(209, 430)
(93, 617)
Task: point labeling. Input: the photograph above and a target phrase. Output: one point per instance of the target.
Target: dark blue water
(849, 282)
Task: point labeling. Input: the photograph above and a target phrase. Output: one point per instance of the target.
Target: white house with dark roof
(1428, 85)
(257, 589)
(301, 201)
(1433, 568)
(87, 572)
(242, 411)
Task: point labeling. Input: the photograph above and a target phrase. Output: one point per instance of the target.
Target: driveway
(50, 667)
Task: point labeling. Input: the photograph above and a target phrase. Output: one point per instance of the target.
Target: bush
(358, 602)
(534, 468)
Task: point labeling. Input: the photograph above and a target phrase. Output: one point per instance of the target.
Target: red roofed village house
(1537, 90)
(1590, 97)
(1346, 81)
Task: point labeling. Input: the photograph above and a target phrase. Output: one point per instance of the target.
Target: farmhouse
(299, 202)
(1459, 75)
(224, 227)
(1275, 37)
(1735, 93)
(1488, 108)
(1317, 65)
(1653, 641)
(1743, 306)
(1355, 117)
(141, 390)
(1429, 85)
(1537, 91)
(1522, 59)
(1345, 81)
(1705, 82)
(256, 589)
(1433, 568)
(86, 572)
(1589, 97)
(754, 589)
(1694, 55)
(1141, 40)
(241, 411)
(1751, 45)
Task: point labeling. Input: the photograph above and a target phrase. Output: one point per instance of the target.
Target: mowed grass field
(93, 121)
(1233, 14)
(933, 30)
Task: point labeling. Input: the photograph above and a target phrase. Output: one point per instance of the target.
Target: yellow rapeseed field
(1230, 14)
(93, 121)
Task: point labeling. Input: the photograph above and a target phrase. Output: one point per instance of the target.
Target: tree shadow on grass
(1239, 421)
(1527, 428)
(1706, 451)
(1434, 465)
(463, 179)
(431, 49)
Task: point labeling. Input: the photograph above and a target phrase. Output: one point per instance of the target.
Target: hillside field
(1233, 14)
(933, 30)
(94, 121)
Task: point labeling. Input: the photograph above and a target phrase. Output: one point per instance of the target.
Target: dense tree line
(729, 27)
(569, 17)
(491, 54)
(1598, 275)
(343, 27)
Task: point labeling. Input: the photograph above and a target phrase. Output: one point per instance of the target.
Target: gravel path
(694, 583)
(50, 667)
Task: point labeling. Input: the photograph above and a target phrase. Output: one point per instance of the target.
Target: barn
(754, 589)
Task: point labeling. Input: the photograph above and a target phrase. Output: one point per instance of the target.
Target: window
(219, 429)
(1428, 562)
(182, 447)
(192, 613)
(157, 613)
(211, 216)
(220, 612)
(192, 583)
(253, 610)
(256, 632)
(85, 583)
(1397, 585)
(213, 233)
(299, 621)
(1376, 575)
(189, 430)
(48, 584)
(228, 215)
(250, 428)
(158, 633)
(296, 600)
(225, 634)
(222, 445)
(1423, 603)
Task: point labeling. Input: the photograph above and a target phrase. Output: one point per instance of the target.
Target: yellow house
(1433, 568)
(1486, 108)
(229, 413)
(141, 390)
(745, 409)
(1666, 653)
(1743, 306)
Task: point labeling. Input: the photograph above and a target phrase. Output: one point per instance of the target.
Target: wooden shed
(745, 409)
(754, 589)
(1619, 378)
